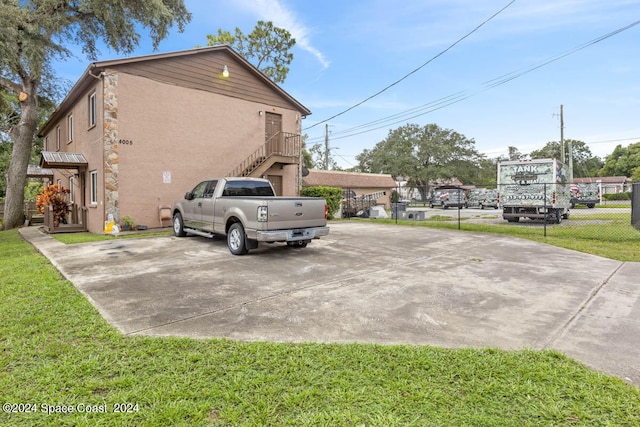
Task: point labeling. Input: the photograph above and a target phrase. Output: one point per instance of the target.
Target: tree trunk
(22, 136)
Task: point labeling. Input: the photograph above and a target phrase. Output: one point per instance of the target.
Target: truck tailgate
(296, 212)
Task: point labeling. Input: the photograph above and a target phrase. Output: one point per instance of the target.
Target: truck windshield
(247, 189)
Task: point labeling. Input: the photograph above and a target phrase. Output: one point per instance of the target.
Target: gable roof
(347, 179)
(193, 68)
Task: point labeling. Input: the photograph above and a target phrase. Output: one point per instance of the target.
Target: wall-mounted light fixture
(225, 72)
(260, 113)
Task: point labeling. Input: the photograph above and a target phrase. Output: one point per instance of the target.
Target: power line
(463, 95)
(417, 69)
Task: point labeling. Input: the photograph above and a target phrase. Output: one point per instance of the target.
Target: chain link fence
(544, 209)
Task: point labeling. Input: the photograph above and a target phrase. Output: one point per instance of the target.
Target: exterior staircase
(282, 148)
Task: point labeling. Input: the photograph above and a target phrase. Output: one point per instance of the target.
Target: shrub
(333, 196)
(617, 196)
(56, 198)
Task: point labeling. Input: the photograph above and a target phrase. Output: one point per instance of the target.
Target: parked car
(475, 197)
(587, 194)
(489, 199)
(449, 197)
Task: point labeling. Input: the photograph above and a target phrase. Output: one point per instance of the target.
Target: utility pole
(562, 135)
(326, 146)
(569, 145)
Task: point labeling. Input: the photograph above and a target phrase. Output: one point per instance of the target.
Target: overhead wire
(463, 95)
(415, 70)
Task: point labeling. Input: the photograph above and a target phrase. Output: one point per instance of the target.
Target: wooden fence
(29, 209)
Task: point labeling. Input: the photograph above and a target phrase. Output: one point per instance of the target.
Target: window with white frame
(70, 127)
(46, 143)
(92, 110)
(72, 198)
(58, 138)
(94, 187)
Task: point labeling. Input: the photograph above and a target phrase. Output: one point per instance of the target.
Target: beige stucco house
(133, 135)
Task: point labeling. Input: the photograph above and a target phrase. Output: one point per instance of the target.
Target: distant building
(610, 184)
(355, 184)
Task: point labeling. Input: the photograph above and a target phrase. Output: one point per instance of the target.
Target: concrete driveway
(367, 282)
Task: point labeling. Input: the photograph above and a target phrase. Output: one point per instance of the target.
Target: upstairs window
(70, 127)
(92, 110)
(58, 138)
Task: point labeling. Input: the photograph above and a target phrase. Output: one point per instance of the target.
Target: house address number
(125, 141)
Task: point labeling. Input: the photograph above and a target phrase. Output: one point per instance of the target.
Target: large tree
(585, 164)
(9, 117)
(423, 155)
(623, 161)
(36, 32)
(267, 47)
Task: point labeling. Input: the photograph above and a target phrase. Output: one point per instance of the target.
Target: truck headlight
(263, 213)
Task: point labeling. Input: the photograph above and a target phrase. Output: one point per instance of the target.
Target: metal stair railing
(281, 144)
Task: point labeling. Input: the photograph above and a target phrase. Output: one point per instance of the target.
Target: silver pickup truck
(247, 211)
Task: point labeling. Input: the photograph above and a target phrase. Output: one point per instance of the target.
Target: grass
(57, 350)
(609, 235)
(74, 238)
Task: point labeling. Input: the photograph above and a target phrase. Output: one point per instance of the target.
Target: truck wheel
(558, 217)
(235, 239)
(178, 225)
(591, 205)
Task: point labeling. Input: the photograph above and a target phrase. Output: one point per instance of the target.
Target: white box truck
(535, 189)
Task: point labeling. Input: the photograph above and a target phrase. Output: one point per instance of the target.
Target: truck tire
(591, 205)
(558, 217)
(236, 239)
(178, 225)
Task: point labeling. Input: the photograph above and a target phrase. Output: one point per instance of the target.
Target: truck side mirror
(188, 195)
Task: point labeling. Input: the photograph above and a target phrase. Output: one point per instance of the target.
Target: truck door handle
(199, 204)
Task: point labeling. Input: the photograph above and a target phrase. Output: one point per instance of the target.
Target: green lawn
(58, 352)
(609, 235)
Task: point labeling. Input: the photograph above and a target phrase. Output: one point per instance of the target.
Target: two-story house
(135, 134)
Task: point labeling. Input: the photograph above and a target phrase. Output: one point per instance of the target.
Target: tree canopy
(35, 32)
(623, 162)
(423, 155)
(585, 164)
(267, 47)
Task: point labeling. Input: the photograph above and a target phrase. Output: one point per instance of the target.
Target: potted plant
(128, 223)
(56, 198)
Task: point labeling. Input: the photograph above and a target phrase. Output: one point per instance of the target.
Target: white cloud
(274, 11)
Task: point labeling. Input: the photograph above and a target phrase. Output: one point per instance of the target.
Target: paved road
(367, 282)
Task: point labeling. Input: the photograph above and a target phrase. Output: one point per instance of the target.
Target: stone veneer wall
(110, 140)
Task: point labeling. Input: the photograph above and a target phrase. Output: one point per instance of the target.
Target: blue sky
(349, 50)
